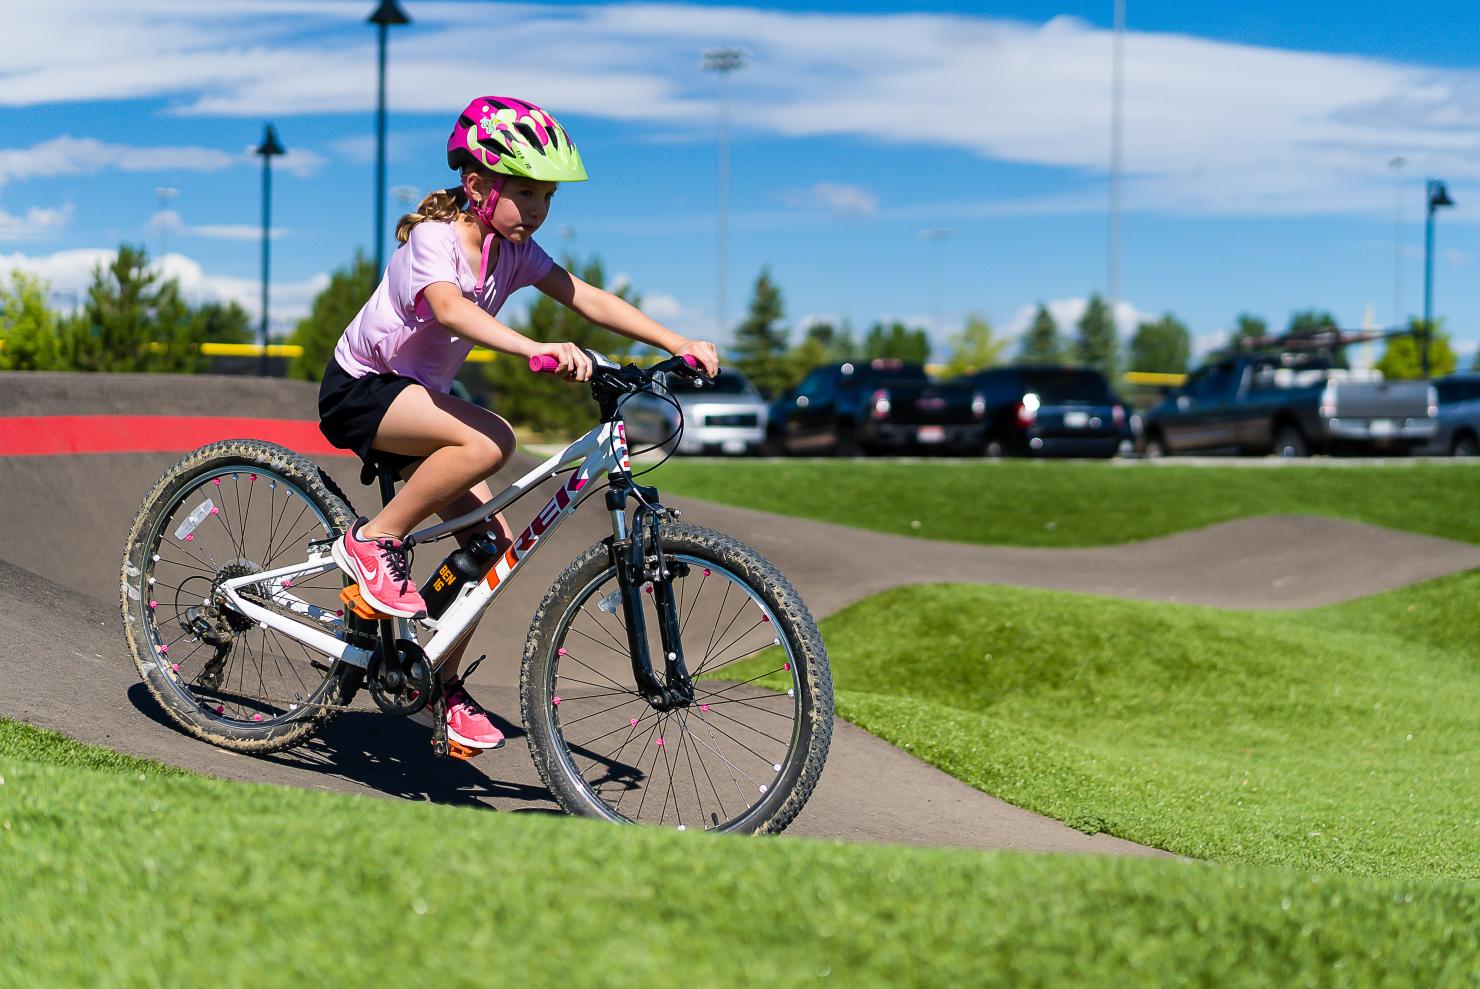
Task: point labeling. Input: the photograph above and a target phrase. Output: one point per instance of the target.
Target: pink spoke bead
(257, 716)
(555, 700)
(634, 722)
(560, 651)
(704, 708)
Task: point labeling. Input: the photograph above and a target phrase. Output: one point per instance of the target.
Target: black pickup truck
(1292, 405)
(859, 407)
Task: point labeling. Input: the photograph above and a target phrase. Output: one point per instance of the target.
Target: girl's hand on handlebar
(574, 364)
(704, 352)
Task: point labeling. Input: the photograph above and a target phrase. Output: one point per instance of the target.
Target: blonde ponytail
(443, 205)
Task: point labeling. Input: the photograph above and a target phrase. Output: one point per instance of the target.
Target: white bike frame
(602, 450)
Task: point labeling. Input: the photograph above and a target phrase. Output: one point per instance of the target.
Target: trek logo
(563, 499)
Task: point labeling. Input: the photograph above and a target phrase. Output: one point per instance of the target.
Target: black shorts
(350, 410)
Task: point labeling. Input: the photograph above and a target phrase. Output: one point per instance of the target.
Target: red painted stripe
(30, 436)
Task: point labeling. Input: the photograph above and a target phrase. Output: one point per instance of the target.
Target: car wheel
(1156, 447)
(1290, 442)
(847, 444)
(1465, 446)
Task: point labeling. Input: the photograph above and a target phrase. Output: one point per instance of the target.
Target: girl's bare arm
(616, 314)
(467, 319)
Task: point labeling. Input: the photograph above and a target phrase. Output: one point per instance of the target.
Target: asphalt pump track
(64, 666)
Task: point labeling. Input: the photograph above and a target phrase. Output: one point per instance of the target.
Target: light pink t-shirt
(396, 332)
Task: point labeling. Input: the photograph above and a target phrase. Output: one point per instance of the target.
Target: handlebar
(684, 363)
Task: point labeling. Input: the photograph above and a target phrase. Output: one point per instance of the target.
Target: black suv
(1049, 410)
(872, 407)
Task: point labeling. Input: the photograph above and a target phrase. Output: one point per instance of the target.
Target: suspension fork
(639, 560)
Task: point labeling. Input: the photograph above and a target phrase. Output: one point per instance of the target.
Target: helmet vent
(530, 136)
(496, 147)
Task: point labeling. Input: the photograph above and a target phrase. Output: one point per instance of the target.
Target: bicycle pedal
(356, 603)
(456, 750)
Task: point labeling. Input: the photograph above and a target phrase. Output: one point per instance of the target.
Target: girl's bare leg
(461, 443)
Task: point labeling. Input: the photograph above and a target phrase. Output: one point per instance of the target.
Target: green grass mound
(1339, 739)
(123, 874)
(1030, 503)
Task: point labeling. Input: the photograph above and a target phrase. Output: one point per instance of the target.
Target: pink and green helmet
(512, 137)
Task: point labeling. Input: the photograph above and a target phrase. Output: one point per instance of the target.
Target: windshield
(1054, 387)
(728, 383)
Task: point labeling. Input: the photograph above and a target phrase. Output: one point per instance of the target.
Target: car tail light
(1027, 410)
(880, 403)
(1328, 401)
(1118, 414)
(1433, 401)
(978, 405)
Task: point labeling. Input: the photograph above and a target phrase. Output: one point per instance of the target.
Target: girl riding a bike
(385, 393)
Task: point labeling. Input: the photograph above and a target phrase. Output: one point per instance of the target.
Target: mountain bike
(671, 675)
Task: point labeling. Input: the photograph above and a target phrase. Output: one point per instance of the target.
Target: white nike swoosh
(370, 572)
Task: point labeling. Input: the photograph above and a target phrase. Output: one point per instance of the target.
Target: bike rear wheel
(231, 509)
(743, 757)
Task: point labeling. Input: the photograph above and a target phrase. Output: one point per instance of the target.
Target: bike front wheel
(744, 756)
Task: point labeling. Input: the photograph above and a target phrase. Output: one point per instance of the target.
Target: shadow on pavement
(393, 756)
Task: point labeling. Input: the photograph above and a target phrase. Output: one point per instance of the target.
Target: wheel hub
(234, 569)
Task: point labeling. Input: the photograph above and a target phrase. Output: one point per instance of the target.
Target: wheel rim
(260, 520)
(709, 765)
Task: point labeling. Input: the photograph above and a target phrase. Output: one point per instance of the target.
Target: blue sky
(1258, 142)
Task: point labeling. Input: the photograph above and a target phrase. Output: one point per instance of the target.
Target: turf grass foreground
(129, 874)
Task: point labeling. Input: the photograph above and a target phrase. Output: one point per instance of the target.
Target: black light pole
(269, 147)
(1437, 196)
(389, 12)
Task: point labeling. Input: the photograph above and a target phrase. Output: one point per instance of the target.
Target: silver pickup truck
(1272, 403)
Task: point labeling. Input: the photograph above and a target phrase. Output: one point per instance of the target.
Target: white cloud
(838, 200)
(1210, 126)
(171, 222)
(68, 155)
(38, 221)
(70, 273)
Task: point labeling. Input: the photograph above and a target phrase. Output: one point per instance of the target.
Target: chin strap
(483, 265)
(484, 212)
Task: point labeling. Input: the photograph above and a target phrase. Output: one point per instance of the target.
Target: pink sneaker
(467, 722)
(382, 567)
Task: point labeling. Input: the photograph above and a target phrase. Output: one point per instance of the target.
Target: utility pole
(388, 13)
(1117, 102)
(164, 195)
(1397, 163)
(268, 149)
(933, 237)
(1437, 196)
(722, 61)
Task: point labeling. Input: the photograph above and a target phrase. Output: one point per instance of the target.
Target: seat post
(387, 481)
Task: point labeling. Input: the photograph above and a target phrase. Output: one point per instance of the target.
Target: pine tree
(1163, 345)
(218, 323)
(333, 309)
(1097, 345)
(896, 341)
(759, 350)
(974, 347)
(131, 321)
(30, 338)
(1042, 343)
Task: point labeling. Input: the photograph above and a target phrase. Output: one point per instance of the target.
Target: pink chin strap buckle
(484, 212)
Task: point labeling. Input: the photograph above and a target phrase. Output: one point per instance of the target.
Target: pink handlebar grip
(691, 360)
(543, 363)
